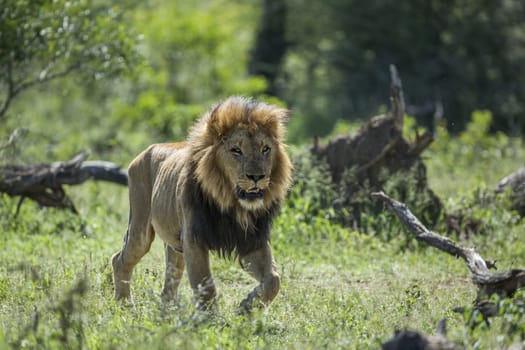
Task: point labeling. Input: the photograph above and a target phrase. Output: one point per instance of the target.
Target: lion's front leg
(199, 273)
(261, 266)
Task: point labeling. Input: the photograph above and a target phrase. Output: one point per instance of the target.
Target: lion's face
(247, 159)
(239, 156)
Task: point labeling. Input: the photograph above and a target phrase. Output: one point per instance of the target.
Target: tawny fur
(235, 151)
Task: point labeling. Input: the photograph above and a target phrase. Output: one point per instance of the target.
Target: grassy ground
(341, 289)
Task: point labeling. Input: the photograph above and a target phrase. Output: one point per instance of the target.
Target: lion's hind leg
(174, 271)
(137, 243)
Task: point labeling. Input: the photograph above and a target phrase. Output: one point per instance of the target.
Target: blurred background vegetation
(113, 78)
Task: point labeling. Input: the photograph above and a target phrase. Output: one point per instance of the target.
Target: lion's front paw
(206, 304)
(253, 300)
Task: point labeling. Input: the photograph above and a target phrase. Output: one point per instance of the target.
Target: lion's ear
(213, 127)
(276, 127)
(282, 114)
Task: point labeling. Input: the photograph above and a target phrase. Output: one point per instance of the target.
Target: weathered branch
(515, 184)
(504, 284)
(380, 156)
(421, 143)
(378, 144)
(44, 182)
(516, 181)
(396, 98)
(397, 101)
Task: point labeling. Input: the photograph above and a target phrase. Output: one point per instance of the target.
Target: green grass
(348, 293)
(340, 288)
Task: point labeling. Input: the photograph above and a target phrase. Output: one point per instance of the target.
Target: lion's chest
(220, 231)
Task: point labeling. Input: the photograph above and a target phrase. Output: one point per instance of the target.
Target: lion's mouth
(251, 194)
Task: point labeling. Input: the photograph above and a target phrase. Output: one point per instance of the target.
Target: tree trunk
(270, 43)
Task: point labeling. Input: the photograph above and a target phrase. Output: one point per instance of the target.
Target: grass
(348, 301)
(340, 288)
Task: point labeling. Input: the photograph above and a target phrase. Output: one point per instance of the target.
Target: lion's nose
(255, 177)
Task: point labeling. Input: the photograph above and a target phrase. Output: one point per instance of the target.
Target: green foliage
(45, 40)
(192, 62)
(476, 158)
(350, 204)
(75, 48)
(313, 192)
(341, 288)
(413, 295)
(187, 65)
(512, 312)
(336, 66)
(202, 54)
(509, 323)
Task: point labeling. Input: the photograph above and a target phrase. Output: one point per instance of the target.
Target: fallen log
(503, 284)
(44, 183)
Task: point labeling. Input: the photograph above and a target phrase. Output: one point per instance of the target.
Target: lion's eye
(236, 151)
(266, 150)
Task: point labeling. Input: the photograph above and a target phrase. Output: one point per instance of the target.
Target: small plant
(497, 315)
(313, 193)
(69, 332)
(512, 312)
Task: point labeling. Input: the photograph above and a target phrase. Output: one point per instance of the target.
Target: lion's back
(145, 168)
(152, 178)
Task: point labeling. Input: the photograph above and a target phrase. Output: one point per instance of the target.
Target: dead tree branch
(363, 161)
(503, 284)
(397, 99)
(377, 145)
(43, 183)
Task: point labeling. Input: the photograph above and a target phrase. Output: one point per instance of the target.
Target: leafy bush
(508, 322)
(350, 203)
(476, 158)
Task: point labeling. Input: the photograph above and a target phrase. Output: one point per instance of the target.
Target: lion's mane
(219, 221)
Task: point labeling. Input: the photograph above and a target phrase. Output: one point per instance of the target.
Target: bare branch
(475, 263)
(10, 88)
(13, 90)
(397, 99)
(504, 284)
(515, 181)
(45, 78)
(12, 138)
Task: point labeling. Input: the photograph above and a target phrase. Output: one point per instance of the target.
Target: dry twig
(504, 284)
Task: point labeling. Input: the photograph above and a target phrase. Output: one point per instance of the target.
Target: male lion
(218, 191)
